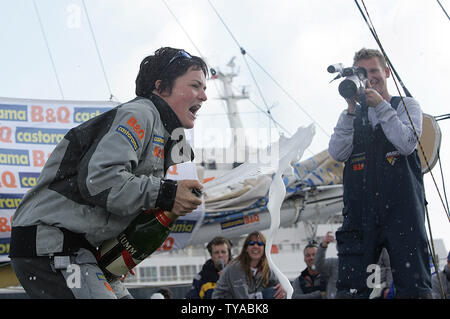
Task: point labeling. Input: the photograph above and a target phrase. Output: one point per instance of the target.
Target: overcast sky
(294, 41)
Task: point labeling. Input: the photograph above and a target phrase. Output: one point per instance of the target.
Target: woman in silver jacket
(248, 276)
(103, 174)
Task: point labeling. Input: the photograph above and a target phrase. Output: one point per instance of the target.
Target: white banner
(29, 131)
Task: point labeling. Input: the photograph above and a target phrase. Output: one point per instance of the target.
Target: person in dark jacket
(310, 284)
(384, 204)
(205, 281)
(103, 174)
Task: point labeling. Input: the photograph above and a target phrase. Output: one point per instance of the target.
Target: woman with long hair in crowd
(248, 276)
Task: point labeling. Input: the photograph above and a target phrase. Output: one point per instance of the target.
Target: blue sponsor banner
(183, 226)
(14, 157)
(4, 246)
(33, 135)
(12, 112)
(232, 223)
(83, 114)
(28, 180)
(10, 201)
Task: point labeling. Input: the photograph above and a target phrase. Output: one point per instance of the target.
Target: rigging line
(443, 182)
(256, 84)
(406, 109)
(288, 95)
(442, 117)
(268, 114)
(224, 24)
(375, 35)
(276, 122)
(243, 52)
(48, 49)
(448, 17)
(260, 94)
(98, 51)
(182, 28)
(433, 254)
(192, 42)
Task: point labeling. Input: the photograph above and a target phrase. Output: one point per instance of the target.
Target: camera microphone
(335, 68)
(220, 264)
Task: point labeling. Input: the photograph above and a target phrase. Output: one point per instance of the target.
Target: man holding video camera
(384, 204)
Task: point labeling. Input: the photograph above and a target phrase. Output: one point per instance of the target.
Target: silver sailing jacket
(98, 178)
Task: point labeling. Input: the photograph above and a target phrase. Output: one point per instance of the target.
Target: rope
(433, 255)
(442, 178)
(289, 96)
(192, 42)
(48, 49)
(98, 52)
(443, 9)
(244, 52)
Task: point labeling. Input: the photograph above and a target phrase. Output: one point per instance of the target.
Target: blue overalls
(383, 207)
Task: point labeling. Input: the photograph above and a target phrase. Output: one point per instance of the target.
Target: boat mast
(238, 137)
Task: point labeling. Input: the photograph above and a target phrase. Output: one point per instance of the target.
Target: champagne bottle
(146, 233)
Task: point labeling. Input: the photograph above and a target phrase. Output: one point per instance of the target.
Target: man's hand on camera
(185, 200)
(373, 98)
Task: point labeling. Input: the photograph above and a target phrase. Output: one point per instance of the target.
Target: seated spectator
(248, 276)
(310, 284)
(205, 281)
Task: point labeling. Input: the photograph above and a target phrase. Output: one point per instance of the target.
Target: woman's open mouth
(193, 111)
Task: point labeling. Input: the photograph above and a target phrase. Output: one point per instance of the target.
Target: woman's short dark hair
(160, 66)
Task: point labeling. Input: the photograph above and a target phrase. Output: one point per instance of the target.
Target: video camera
(355, 79)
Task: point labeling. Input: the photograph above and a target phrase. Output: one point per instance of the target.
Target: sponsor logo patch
(392, 157)
(136, 127)
(358, 161)
(158, 140)
(101, 277)
(129, 136)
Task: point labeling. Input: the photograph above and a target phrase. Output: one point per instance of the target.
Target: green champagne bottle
(146, 233)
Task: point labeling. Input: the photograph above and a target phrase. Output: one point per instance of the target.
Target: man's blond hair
(368, 54)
